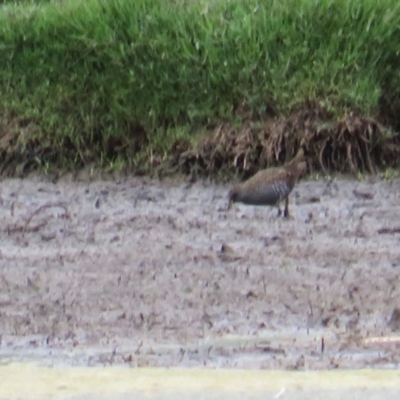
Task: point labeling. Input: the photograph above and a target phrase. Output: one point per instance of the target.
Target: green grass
(82, 74)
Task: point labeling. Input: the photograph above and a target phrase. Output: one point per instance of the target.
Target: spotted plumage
(270, 186)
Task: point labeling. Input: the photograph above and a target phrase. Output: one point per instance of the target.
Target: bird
(271, 186)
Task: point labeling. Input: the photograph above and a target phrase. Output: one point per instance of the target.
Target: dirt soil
(142, 273)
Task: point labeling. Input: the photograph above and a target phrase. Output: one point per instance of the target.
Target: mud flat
(140, 273)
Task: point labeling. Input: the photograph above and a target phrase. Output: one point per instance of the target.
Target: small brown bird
(269, 187)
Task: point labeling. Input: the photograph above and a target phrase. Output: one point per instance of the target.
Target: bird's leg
(286, 209)
(279, 212)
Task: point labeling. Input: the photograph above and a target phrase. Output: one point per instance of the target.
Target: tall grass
(89, 71)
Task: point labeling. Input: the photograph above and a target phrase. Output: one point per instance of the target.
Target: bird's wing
(266, 176)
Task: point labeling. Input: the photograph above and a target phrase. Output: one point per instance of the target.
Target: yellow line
(30, 382)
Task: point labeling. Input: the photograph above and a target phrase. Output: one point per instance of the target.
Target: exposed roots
(350, 144)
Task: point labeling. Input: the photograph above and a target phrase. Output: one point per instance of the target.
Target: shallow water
(167, 384)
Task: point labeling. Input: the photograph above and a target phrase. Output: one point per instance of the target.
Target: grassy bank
(130, 82)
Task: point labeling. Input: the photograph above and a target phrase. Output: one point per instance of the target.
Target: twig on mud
(5, 282)
(44, 207)
(363, 195)
(35, 228)
(114, 352)
(328, 186)
(311, 308)
(343, 275)
(310, 316)
(182, 352)
(264, 285)
(389, 231)
(15, 228)
(137, 351)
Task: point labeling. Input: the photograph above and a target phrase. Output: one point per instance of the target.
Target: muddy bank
(139, 273)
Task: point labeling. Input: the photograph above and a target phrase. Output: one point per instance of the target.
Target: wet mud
(142, 273)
